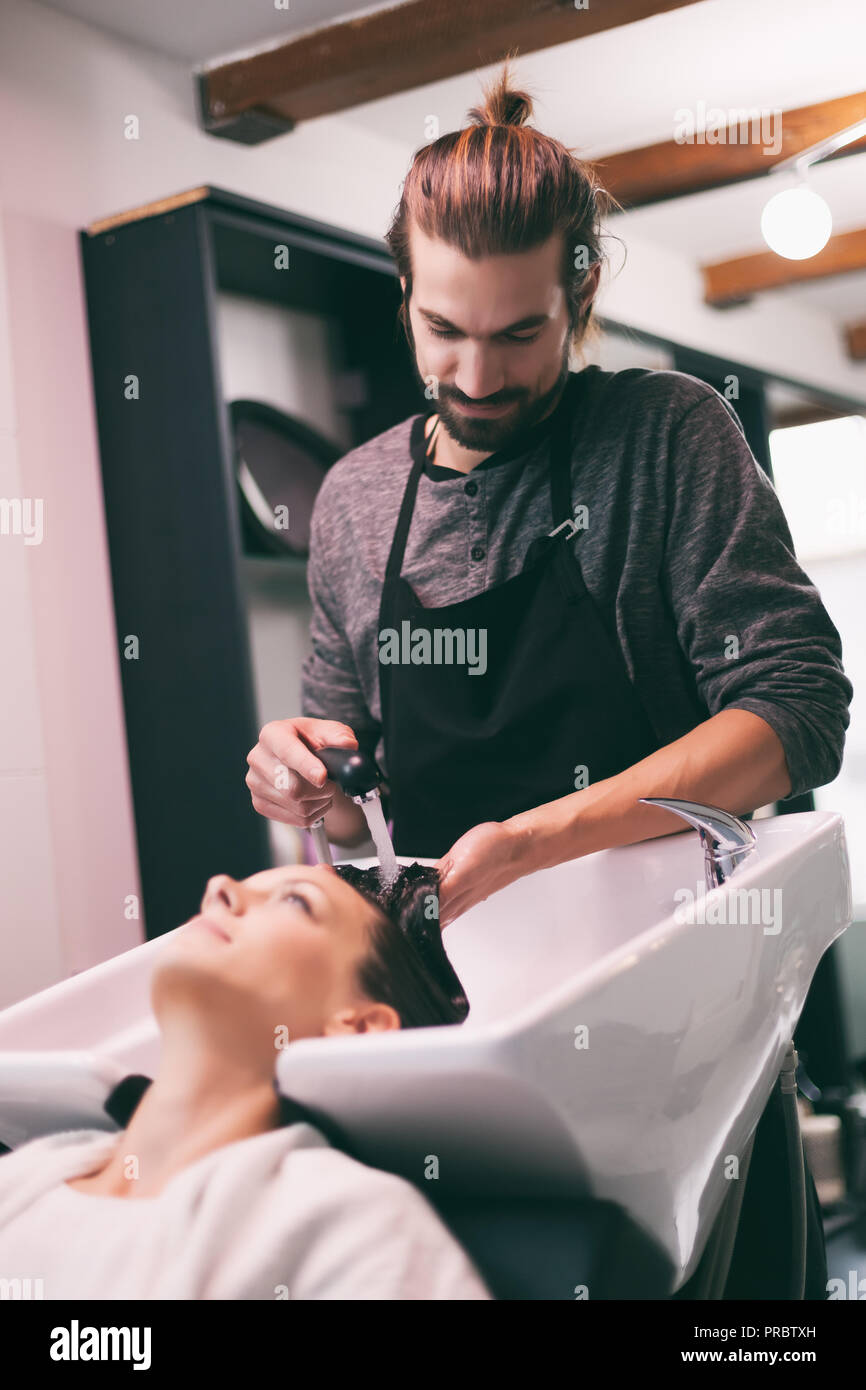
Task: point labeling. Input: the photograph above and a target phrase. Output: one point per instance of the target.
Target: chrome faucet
(726, 839)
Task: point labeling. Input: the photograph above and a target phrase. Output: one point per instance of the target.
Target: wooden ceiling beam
(855, 336)
(376, 55)
(656, 173)
(736, 281)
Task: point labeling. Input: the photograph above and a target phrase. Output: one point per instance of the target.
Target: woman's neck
(197, 1103)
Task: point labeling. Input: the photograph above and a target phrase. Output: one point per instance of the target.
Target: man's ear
(591, 284)
(365, 1018)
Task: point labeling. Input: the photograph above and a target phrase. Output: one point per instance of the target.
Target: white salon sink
(611, 1048)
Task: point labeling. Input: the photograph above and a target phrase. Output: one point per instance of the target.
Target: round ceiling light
(796, 223)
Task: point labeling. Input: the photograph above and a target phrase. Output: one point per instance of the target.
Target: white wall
(68, 856)
(660, 292)
(30, 946)
(68, 843)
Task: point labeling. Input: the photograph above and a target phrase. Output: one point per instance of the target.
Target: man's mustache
(448, 396)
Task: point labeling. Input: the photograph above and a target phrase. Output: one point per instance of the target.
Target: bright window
(819, 473)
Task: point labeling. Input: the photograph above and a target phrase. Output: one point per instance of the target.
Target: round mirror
(279, 464)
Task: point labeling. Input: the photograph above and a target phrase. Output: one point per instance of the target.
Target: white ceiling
(198, 33)
(617, 90)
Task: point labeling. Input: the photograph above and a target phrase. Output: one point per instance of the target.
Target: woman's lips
(210, 926)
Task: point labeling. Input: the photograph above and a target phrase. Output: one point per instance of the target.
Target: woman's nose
(225, 890)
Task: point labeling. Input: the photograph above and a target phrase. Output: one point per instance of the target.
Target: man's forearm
(733, 760)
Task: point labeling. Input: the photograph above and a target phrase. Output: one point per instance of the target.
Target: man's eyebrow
(531, 321)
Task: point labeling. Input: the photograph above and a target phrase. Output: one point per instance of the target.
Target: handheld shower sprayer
(359, 777)
(356, 772)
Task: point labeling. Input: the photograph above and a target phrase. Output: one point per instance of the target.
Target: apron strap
(404, 521)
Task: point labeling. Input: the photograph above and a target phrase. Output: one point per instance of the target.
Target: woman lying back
(208, 1193)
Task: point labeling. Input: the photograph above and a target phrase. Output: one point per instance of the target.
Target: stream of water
(388, 866)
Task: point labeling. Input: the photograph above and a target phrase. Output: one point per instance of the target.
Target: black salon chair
(526, 1248)
(552, 1249)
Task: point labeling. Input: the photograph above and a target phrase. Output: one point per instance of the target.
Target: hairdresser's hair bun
(503, 104)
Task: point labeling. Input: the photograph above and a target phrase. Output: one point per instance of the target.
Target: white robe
(274, 1216)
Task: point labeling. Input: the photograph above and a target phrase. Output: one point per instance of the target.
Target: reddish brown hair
(498, 187)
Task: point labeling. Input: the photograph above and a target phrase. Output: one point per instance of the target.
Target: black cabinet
(174, 531)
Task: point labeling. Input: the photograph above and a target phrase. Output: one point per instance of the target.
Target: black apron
(462, 748)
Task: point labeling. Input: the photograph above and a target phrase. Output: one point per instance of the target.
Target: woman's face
(273, 958)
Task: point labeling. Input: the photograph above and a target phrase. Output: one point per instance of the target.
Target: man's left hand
(485, 859)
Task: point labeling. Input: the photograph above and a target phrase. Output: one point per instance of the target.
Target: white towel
(279, 1215)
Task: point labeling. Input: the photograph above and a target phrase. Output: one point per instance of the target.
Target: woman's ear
(364, 1018)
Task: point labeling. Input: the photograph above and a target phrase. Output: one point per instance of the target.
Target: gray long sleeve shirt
(686, 552)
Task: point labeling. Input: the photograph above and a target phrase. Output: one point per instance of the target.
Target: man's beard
(483, 435)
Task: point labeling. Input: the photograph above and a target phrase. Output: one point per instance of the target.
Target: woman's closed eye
(291, 893)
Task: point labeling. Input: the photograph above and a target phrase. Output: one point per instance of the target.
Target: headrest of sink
(50, 1092)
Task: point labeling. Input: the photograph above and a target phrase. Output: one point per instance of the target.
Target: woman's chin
(188, 958)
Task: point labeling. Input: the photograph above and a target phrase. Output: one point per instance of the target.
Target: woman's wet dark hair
(406, 966)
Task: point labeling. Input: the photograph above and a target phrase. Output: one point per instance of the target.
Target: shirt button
(477, 552)
(471, 487)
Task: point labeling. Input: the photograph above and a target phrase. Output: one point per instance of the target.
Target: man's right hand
(288, 782)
